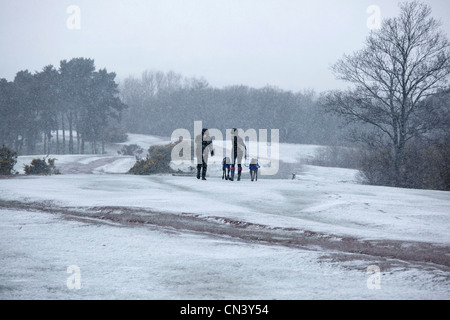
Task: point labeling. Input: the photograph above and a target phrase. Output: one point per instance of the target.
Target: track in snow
(385, 253)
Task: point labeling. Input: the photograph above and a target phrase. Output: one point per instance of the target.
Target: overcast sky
(285, 43)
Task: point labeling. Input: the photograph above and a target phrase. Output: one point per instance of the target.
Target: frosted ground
(318, 236)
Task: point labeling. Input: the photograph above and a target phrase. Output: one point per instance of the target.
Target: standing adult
(238, 149)
(204, 146)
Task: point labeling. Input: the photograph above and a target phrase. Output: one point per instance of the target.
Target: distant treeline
(58, 110)
(161, 102)
(76, 98)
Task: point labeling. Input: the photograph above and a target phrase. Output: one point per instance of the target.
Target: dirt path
(385, 253)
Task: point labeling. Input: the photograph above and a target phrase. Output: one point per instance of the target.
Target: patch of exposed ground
(385, 253)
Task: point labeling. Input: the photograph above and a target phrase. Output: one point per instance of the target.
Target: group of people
(204, 147)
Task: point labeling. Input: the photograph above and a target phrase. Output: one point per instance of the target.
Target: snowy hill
(176, 237)
(111, 162)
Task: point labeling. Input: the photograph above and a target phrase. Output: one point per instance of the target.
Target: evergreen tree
(75, 81)
(47, 81)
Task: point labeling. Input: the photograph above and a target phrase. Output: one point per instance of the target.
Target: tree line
(76, 98)
(161, 102)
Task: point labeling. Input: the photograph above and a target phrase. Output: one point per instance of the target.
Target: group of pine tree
(59, 110)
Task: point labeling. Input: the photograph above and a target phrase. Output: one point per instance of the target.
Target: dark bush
(376, 166)
(8, 160)
(426, 165)
(40, 166)
(157, 161)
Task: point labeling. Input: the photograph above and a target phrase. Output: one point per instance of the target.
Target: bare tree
(402, 64)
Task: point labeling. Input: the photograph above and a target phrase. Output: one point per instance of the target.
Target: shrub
(377, 167)
(157, 161)
(40, 166)
(426, 165)
(8, 160)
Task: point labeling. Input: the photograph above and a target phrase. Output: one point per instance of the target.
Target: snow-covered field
(318, 236)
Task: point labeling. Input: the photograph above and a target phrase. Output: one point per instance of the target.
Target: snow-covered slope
(324, 207)
(320, 199)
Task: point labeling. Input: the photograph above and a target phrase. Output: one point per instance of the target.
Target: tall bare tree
(401, 64)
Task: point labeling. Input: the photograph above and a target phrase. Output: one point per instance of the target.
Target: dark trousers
(233, 166)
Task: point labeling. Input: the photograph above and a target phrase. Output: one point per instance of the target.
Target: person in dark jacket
(204, 147)
(238, 150)
(254, 166)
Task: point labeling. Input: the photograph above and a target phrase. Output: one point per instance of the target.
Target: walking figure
(226, 165)
(204, 147)
(254, 169)
(238, 149)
